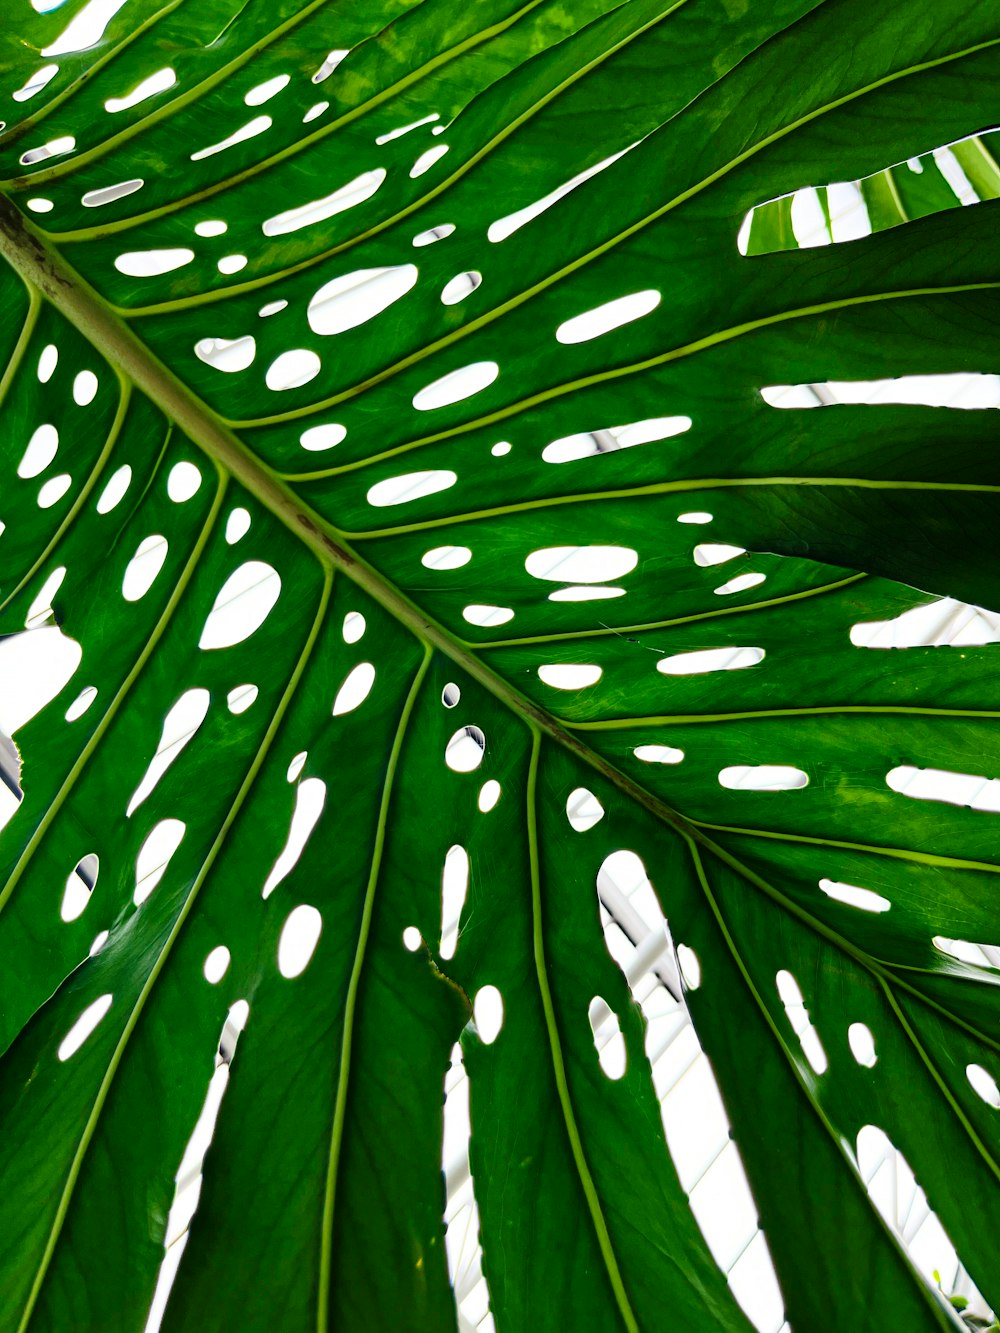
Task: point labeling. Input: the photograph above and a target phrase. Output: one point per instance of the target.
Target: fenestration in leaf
(439, 445)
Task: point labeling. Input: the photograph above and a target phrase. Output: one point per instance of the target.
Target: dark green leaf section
(322, 1201)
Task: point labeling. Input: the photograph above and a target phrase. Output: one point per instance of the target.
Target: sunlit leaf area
(499, 678)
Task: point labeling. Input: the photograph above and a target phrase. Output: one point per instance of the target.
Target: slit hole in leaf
(83, 1027)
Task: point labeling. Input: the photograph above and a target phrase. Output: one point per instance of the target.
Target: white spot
(454, 888)
(40, 205)
(798, 1016)
(41, 450)
(697, 516)
(54, 148)
(296, 766)
(226, 354)
(936, 784)
(142, 569)
(400, 130)
(485, 616)
(611, 315)
(456, 386)
(100, 940)
(433, 234)
(53, 490)
(83, 1027)
(446, 557)
(979, 955)
(983, 1084)
(81, 703)
(149, 87)
(489, 794)
(184, 482)
(299, 937)
(41, 607)
(658, 754)
(451, 695)
(314, 111)
(506, 226)
(866, 900)
(271, 308)
(583, 810)
(237, 525)
(310, 797)
(114, 491)
(36, 82)
(211, 227)
(152, 263)
(962, 390)
(582, 564)
(79, 885)
(488, 1014)
(763, 777)
(216, 964)
(464, 752)
(740, 584)
(354, 626)
(409, 486)
(570, 675)
(248, 131)
(690, 967)
(710, 659)
(179, 728)
(263, 92)
(155, 855)
(501, 448)
(292, 369)
(412, 939)
(231, 264)
(329, 64)
(426, 160)
(862, 1044)
(47, 362)
(242, 605)
(460, 286)
(354, 298)
(240, 698)
(318, 438)
(110, 194)
(585, 594)
(355, 689)
(347, 196)
(84, 388)
(86, 28)
(568, 448)
(939, 624)
(609, 1041)
(707, 554)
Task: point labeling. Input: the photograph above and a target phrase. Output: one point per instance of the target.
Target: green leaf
(456, 453)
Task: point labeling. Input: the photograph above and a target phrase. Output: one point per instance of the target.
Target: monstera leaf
(559, 886)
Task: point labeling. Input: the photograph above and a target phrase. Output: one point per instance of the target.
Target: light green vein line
(124, 394)
(897, 853)
(160, 113)
(942, 1083)
(555, 1045)
(694, 618)
(254, 284)
(230, 182)
(673, 488)
(613, 241)
(99, 731)
(24, 338)
(350, 1005)
(140, 1004)
(17, 131)
(940, 1317)
(752, 715)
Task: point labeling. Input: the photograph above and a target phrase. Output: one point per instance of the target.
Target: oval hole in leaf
(83, 1027)
(243, 603)
(155, 855)
(570, 675)
(609, 1041)
(583, 809)
(299, 937)
(464, 752)
(216, 964)
(354, 298)
(488, 1014)
(582, 564)
(355, 689)
(142, 569)
(410, 486)
(456, 386)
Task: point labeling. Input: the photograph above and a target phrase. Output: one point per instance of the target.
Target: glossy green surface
(323, 1197)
